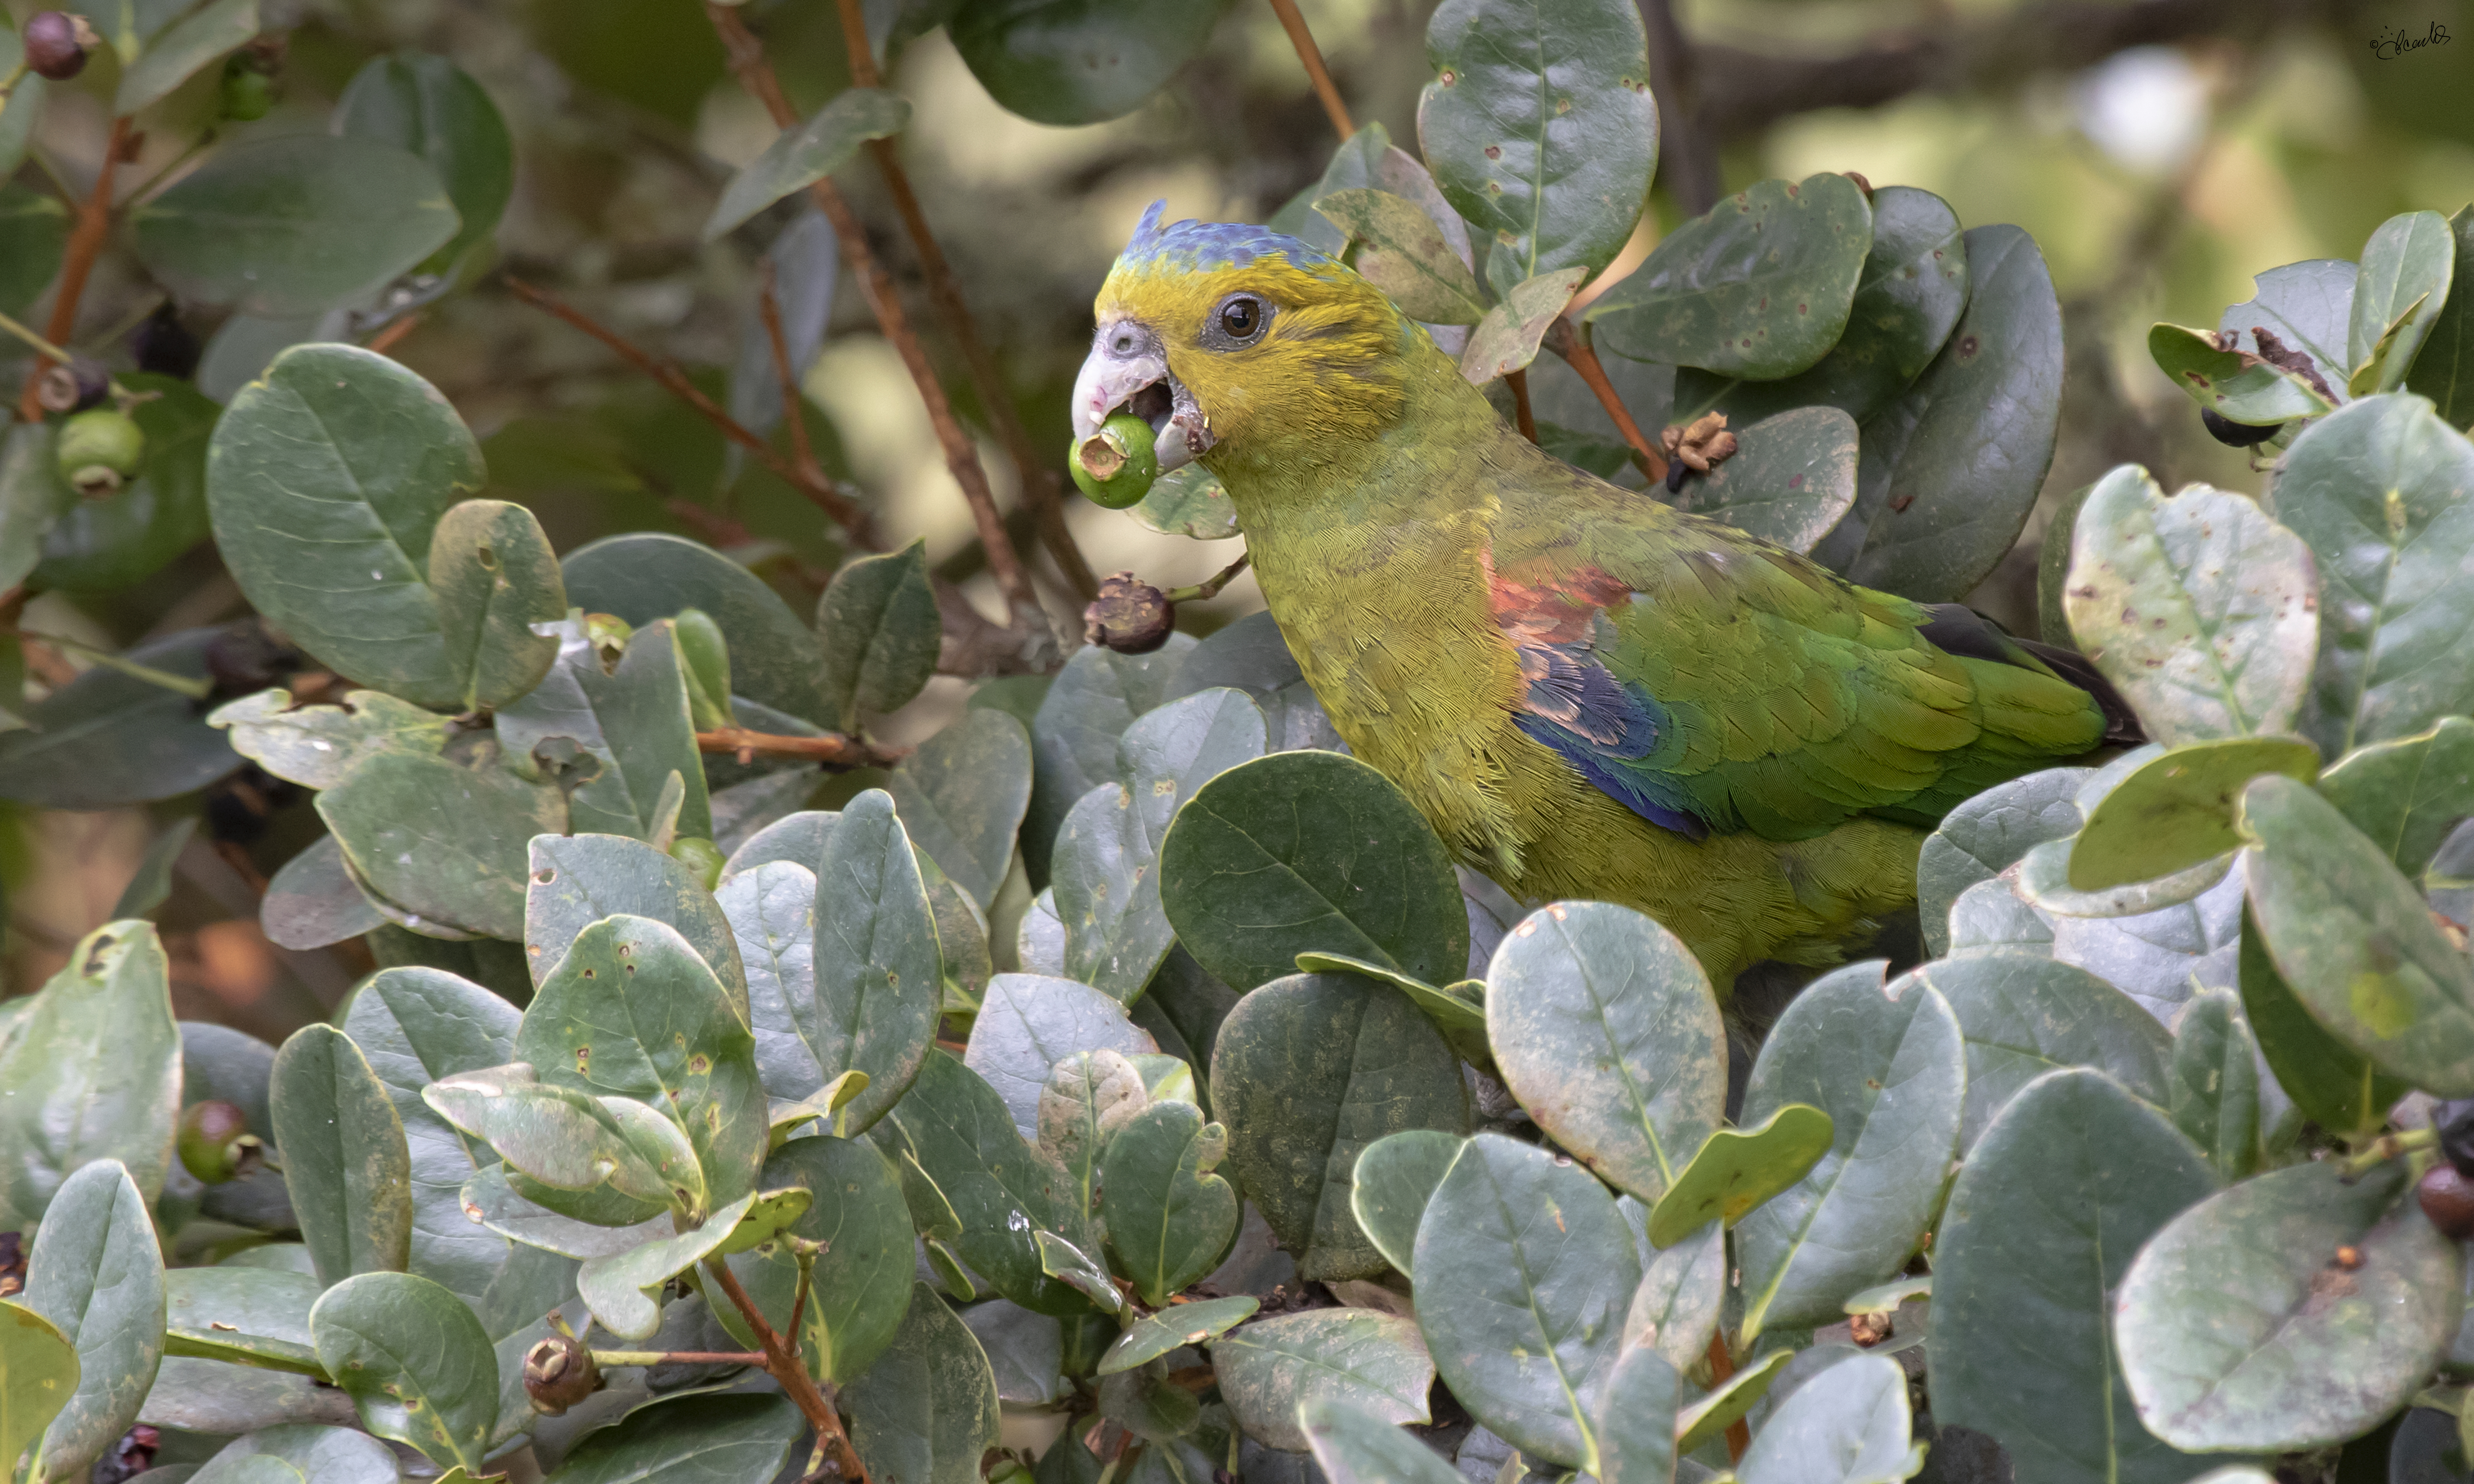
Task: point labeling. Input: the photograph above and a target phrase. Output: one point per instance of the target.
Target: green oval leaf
(1306, 1072)
(927, 1410)
(2408, 265)
(94, 1072)
(878, 972)
(2176, 809)
(690, 1440)
(1507, 339)
(2214, 1095)
(2444, 370)
(1154, 1335)
(1965, 447)
(2377, 492)
(2355, 941)
(2332, 1085)
(633, 727)
(1105, 866)
(1790, 482)
(2307, 306)
(1403, 251)
(1169, 1217)
(1758, 286)
(1636, 1421)
(2408, 794)
(2242, 1328)
(1737, 1169)
(295, 224)
(577, 880)
(1987, 835)
(247, 1316)
(633, 1012)
(2101, 1172)
(1891, 1074)
(1675, 1310)
(2233, 383)
(432, 107)
(1001, 1191)
(440, 847)
(341, 1455)
(188, 47)
(878, 627)
(1030, 1023)
(108, 738)
(1395, 1177)
(96, 1273)
(416, 1363)
(1271, 1368)
(1304, 852)
(961, 795)
(1354, 1446)
(617, 1287)
(344, 1155)
(1907, 299)
(2023, 1016)
(1607, 1030)
(1527, 1271)
(1847, 1426)
(1074, 733)
(2200, 609)
(38, 1376)
(1081, 61)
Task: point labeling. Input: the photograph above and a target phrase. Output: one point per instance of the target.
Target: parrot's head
(1241, 344)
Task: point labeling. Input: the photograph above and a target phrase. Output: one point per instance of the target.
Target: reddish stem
(1311, 55)
(1522, 417)
(77, 263)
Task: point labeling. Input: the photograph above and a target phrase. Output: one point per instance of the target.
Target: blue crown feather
(1206, 245)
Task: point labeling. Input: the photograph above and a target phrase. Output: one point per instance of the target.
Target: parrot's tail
(1957, 630)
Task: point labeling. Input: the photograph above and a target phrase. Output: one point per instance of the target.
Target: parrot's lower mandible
(1588, 693)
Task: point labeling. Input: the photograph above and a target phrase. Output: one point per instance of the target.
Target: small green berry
(214, 1141)
(1115, 466)
(700, 856)
(247, 94)
(100, 435)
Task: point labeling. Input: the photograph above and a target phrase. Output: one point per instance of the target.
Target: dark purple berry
(57, 43)
(2448, 1199)
(73, 387)
(2455, 1122)
(1129, 616)
(165, 347)
(2233, 434)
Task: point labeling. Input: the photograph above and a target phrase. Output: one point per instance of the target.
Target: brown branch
(833, 749)
(1572, 343)
(746, 55)
(786, 1367)
(1522, 417)
(769, 310)
(77, 263)
(390, 334)
(1311, 56)
(1722, 1367)
(855, 521)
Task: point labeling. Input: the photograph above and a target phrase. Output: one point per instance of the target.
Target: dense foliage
(1126, 1083)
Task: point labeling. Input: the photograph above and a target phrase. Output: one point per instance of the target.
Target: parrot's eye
(1241, 317)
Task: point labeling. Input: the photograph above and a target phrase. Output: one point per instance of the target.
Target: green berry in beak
(1115, 466)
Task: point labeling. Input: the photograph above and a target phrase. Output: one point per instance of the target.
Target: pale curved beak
(1127, 371)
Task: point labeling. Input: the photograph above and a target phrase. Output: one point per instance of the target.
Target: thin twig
(35, 342)
(677, 1358)
(1572, 343)
(1722, 1367)
(788, 1368)
(853, 521)
(1522, 417)
(195, 689)
(77, 265)
(833, 749)
(769, 310)
(392, 334)
(1211, 587)
(1311, 55)
(746, 55)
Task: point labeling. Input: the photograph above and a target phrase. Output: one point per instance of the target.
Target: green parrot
(1586, 692)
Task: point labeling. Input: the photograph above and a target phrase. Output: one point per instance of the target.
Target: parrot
(1588, 693)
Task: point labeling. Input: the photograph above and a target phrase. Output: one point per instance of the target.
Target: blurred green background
(2160, 152)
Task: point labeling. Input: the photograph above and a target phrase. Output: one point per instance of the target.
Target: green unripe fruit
(1115, 466)
(100, 437)
(247, 94)
(214, 1142)
(700, 856)
(708, 669)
